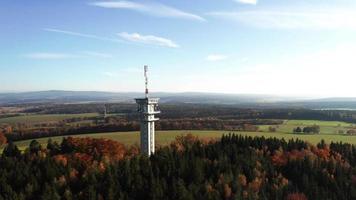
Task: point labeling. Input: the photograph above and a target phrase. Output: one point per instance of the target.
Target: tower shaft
(147, 109)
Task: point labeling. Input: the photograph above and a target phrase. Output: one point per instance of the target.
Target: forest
(232, 167)
(187, 110)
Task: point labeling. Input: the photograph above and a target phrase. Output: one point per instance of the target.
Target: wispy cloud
(288, 18)
(49, 56)
(148, 39)
(56, 56)
(81, 35)
(216, 57)
(153, 9)
(253, 2)
(97, 54)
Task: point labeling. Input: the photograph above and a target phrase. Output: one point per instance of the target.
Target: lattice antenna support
(146, 81)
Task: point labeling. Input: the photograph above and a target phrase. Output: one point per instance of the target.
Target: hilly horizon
(252, 100)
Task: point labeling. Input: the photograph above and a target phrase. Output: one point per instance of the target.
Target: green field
(165, 137)
(329, 131)
(326, 127)
(129, 138)
(30, 119)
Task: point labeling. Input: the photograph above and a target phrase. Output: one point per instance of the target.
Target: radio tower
(147, 108)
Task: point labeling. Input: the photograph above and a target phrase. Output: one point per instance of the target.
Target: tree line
(178, 111)
(315, 129)
(120, 124)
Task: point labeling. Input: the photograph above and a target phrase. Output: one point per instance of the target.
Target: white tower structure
(147, 108)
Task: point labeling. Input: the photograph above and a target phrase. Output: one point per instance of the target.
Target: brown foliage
(242, 180)
(227, 191)
(73, 175)
(209, 188)
(296, 196)
(280, 158)
(255, 185)
(134, 150)
(93, 154)
(61, 159)
(183, 141)
(3, 139)
(88, 147)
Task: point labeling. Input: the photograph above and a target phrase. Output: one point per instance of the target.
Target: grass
(165, 137)
(326, 127)
(43, 118)
(129, 138)
(329, 131)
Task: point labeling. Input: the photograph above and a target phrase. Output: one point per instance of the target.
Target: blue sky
(282, 47)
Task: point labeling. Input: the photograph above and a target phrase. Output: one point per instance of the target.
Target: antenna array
(146, 81)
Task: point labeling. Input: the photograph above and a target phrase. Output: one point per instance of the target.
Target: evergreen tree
(11, 150)
(50, 193)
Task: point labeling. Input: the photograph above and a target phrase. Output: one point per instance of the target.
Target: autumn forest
(233, 167)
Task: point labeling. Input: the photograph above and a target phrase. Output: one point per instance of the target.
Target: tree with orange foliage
(242, 180)
(184, 141)
(3, 139)
(98, 147)
(296, 196)
(227, 191)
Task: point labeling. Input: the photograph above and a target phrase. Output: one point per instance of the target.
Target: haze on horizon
(289, 48)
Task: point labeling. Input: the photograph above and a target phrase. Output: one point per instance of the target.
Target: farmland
(43, 118)
(165, 137)
(326, 127)
(39, 123)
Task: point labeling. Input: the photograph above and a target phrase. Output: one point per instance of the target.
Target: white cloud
(153, 9)
(148, 39)
(81, 35)
(253, 2)
(216, 57)
(56, 56)
(293, 18)
(49, 56)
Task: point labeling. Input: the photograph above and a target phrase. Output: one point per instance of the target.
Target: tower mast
(146, 81)
(147, 108)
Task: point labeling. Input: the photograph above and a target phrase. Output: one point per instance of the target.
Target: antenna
(146, 81)
(105, 111)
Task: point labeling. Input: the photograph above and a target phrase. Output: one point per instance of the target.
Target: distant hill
(59, 96)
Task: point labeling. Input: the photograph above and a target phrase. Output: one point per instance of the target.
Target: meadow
(165, 137)
(330, 131)
(43, 118)
(326, 127)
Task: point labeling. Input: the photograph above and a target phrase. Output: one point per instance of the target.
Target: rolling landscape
(177, 100)
(102, 136)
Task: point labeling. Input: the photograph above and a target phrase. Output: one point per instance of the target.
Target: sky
(277, 47)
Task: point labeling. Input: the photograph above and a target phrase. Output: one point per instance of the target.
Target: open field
(329, 131)
(43, 118)
(326, 127)
(165, 137)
